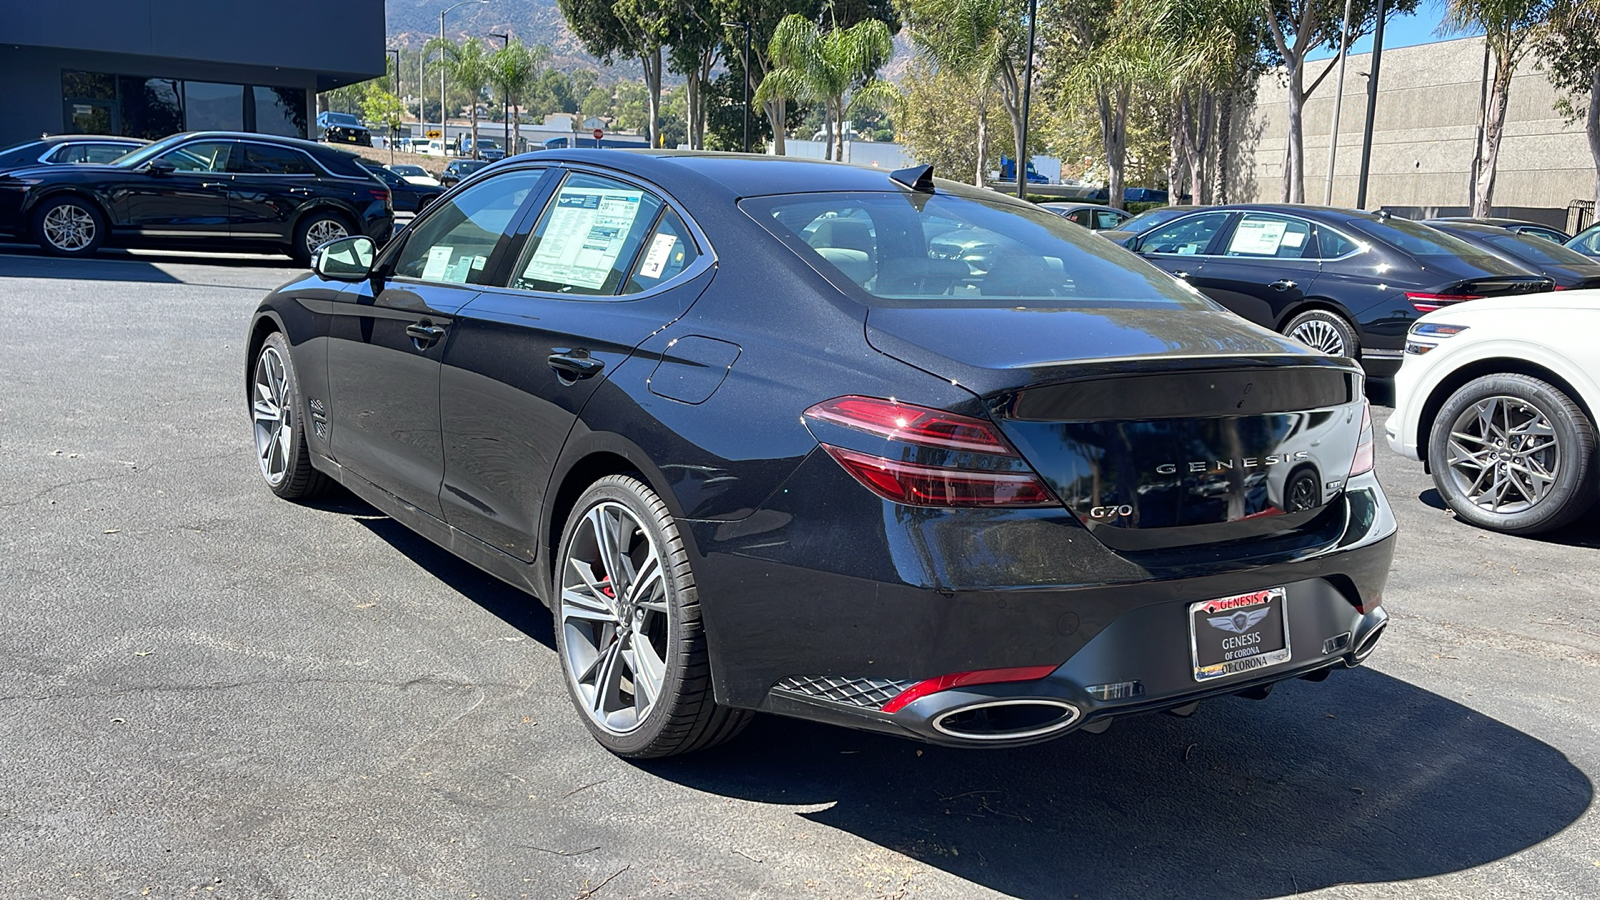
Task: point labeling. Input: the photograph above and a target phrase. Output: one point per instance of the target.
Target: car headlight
(1424, 336)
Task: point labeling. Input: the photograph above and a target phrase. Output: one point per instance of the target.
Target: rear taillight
(1364, 447)
(380, 194)
(962, 679)
(1426, 303)
(976, 469)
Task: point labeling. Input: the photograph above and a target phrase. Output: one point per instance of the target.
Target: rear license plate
(1231, 635)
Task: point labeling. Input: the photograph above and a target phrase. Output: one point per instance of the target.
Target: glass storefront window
(213, 107)
(150, 107)
(89, 117)
(280, 111)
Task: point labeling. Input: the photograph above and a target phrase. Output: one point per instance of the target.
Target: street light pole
(1338, 104)
(1372, 108)
(1027, 92)
(397, 98)
(505, 103)
(442, 116)
(745, 63)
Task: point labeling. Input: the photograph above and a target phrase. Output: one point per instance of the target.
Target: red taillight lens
(380, 194)
(916, 485)
(1364, 447)
(1427, 303)
(964, 481)
(962, 679)
(916, 424)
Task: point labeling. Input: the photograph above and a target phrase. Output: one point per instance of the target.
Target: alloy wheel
(614, 617)
(1504, 454)
(322, 231)
(69, 228)
(1320, 335)
(273, 413)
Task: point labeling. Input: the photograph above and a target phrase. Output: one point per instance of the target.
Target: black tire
(281, 452)
(1509, 474)
(313, 230)
(1326, 331)
(683, 716)
(69, 226)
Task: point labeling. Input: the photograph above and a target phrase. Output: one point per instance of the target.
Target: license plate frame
(1229, 625)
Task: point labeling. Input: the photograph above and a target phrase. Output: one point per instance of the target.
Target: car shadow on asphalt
(23, 261)
(1360, 779)
(516, 608)
(1585, 532)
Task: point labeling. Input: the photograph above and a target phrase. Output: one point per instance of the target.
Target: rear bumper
(827, 622)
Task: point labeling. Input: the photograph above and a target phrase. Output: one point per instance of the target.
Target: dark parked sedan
(1093, 216)
(68, 148)
(408, 196)
(1150, 218)
(1519, 226)
(459, 169)
(202, 189)
(1569, 269)
(1347, 283)
(343, 128)
(785, 454)
(1586, 241)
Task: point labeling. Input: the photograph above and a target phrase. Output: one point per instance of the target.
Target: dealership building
(149, 68)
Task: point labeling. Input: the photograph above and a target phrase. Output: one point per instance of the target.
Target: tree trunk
(1224, 142)
(983, 145)
(1011, 100)
(1494, 126)
(777, 111)
(1114, 136)
(472, 104)
(1200, 147)
(827, 130)
(838, 129)
(1294, 164)
(1593, 127)
(1177, 137)
(652, 79)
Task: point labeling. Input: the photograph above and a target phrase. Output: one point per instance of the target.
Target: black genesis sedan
(200, 189)
(407, 196)
(785, 453)
(1569, 269)
(1348, 283)
(63, 149)
(343, 128)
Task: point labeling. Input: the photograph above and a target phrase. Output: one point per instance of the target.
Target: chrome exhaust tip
(1366, 645)
(1007, 720)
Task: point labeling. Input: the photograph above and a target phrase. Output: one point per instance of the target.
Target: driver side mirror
(345, 259)
(160, 168)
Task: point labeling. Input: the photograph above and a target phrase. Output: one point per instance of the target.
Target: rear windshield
(958, 247)
(1414, 238)
(1529, 248)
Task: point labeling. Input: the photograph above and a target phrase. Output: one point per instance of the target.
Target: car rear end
(1124, 500)
(363, 190)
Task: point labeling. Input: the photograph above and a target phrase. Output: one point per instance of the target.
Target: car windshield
(334, 118)
(149, 151)
(1150, 218)
(1530, 248)
(1413, 237)
(408, 170)
(962, 246)
(22, 153)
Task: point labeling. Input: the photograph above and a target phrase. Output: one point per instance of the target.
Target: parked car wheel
(275, 407)
(70, 226)
(1513, 453)
(314, 230)
(628, 627)
(1325, 331)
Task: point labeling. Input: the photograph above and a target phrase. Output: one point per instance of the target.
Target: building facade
(149, 68)
(1424, 139)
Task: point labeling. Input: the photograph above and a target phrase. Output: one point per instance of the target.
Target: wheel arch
(1326, 304)
(348, 214)
(71, 190)
(1493, 365)
(265, 322)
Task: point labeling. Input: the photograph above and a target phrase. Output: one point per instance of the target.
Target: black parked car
(1568, 269)
(1586, 241)
(784, 454)
(244, 191)
(1150, 218)
(68, 148)
(459, 169)
(1518, 226)
(408, 196)
(1348, 283)
(343, 128)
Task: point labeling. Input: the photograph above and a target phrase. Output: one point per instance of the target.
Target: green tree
(971, 42)
(1509, 29)
(1569, 45)
(939, 117)
(466, 64)
(514, 71)
(823, 66)
(632, 29)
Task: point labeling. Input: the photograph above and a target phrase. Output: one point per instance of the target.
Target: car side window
(1187, 236)
(261, 159)
(669, 251)
(66, 153)
(454, 243)
(587, 237)
(101, 153)
(1081, 216)
(1332, 245)
(201, 156)
(1105, 220)
(1267, 236)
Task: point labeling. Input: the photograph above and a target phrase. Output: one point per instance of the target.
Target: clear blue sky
(1422, 27)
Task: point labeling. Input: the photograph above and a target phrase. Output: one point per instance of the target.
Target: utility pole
(442, 116)
(1338, 104)
(397, 98)
(1027, 92)
(505, 102)
(745, 63)
(1372, 108)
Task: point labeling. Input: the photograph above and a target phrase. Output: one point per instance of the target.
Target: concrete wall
(1423, 138)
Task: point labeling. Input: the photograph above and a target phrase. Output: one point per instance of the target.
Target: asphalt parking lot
(205, 691)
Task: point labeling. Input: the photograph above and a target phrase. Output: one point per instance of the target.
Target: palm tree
(810, 64)
(1507, 27)
(969, 39)
(513, 70)
(467, 64)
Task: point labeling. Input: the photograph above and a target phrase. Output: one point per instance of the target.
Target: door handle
(212, 184)
(575, 364)
(1282, 284)
(305, 192)
(1183, 275)
(424, 332)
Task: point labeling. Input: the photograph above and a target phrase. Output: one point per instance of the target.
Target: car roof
(109, 138)
(1490, 220)
(1465, 226)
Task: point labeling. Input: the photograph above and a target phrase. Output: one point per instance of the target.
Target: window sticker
(1294, 238)
(1257, 237)
(660, 252)
(584, 236)
(438, 262)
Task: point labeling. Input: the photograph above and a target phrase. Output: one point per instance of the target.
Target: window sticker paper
(584, 236)
(438, 262)
(660, 252)
(1257, 237)
(1294, 238)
